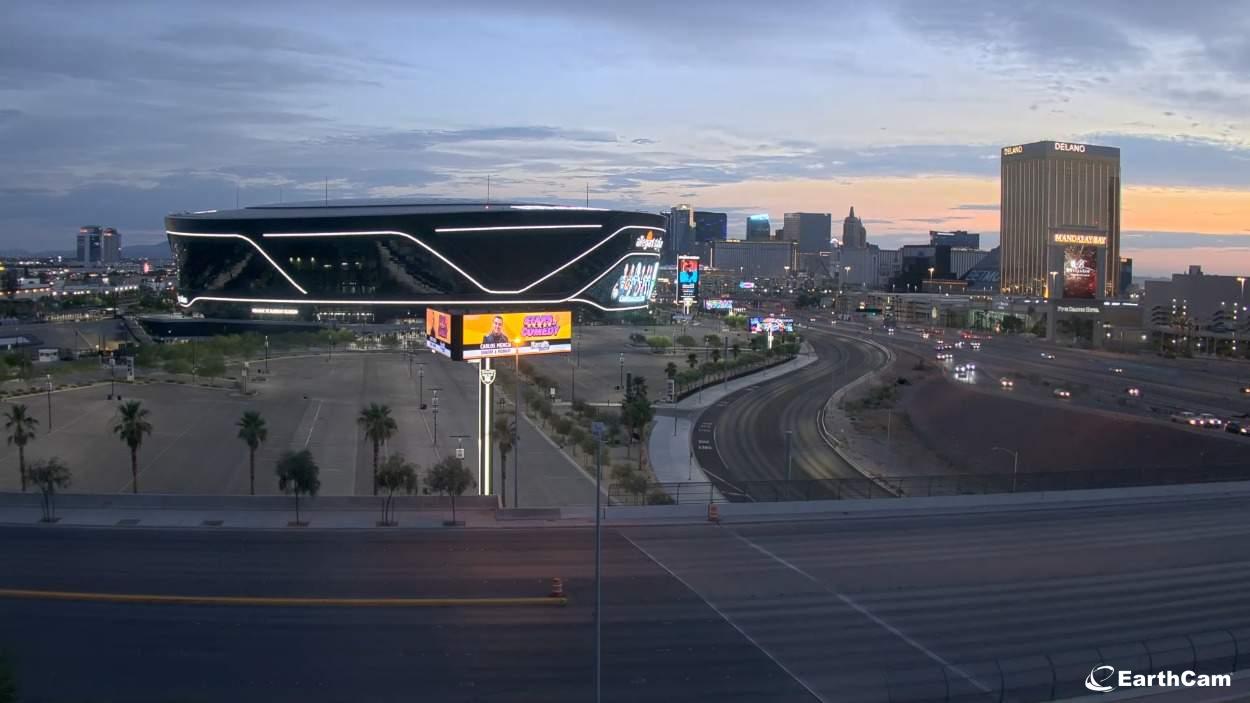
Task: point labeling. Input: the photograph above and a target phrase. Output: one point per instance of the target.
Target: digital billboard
(746, 285)
(523, 333)
(1080, 272)
(636, 281)
(718, 304)
(438, 331)
(760, 325)
(687, 279)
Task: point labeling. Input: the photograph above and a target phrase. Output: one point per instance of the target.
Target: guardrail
(1052, 676)
(925, 486)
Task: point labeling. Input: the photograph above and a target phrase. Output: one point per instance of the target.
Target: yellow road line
(277, 601)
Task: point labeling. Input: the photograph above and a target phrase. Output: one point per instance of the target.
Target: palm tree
(504, 439)
(670, 370)
(130, 429)
(21, 429)
(692, 359)
(379, 426)
(253, 432)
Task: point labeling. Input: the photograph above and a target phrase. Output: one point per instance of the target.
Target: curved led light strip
(503, 301)
(499, 228)
(445, 260)
(249, 241)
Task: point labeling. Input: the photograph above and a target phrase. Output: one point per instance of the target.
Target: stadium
(392, 258)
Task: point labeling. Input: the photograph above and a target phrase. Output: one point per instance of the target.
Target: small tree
(715, 355)
(692, 360)
(379, 426)
(450, 477)
(49, 476)
(21, 427)
(253, 432)
(670, 370)
(298, 474)
(212, 366)
(635, 414)
(131, 428)
(735, 349)
(395, 474)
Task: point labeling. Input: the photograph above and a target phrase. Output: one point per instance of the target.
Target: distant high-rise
(111, 246)
(759, 229)
(959, 239)
(854, 236)
(710, 226)
(680, 236)
(1060, 213)
(89, 245)
(812, 230)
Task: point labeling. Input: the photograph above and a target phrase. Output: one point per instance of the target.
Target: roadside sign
(459, 452)
(598, 430)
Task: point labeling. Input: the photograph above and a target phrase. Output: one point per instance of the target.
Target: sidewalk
(670, 451)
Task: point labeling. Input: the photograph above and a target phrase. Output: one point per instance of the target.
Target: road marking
(727, 619)
(868, 614)
(276, 601)
(312, 426)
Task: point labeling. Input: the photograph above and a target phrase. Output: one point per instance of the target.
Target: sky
(117, 113)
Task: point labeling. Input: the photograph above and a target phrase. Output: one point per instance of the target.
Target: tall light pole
(434, 407)
(49, 380)
(266, 355)
(598, 429)
(622, 360)
(789, 437)
(1237, 310)
(516, 441)
(421, 385)
(1015, 464)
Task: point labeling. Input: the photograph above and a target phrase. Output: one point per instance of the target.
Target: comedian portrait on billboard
(438, 331)
(1080, 272)
(523, 333)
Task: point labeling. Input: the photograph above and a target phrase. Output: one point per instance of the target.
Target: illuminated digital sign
(636, 281)
(718, 304)
(649, 242)
(687, 279)
(758, 325)
(1096, 240)
(1080, 272)
(1065, 146)
(1013, 150)
(523, 333)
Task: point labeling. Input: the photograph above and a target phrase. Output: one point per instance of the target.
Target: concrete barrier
(230, 503)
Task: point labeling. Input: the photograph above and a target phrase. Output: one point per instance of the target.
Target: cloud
(976, 206)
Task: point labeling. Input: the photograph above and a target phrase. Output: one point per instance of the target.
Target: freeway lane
(658, 636)
(742, 436)
(817, 610)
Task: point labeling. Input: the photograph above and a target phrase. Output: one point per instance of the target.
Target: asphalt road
(742, 437)
(872, 609)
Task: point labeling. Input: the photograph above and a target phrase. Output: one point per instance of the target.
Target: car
(1232, 427)
(972, 366)
(1186, 418)
(890, 331)
(1117, 370)
(959, 345)
(1062, 393)
(1245, 389)
(1133, 391)
(1209, 420)
(961, 368)
(976, 346)
(1006, 382)
(1047, 355)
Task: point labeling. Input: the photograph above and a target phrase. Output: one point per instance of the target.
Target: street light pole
(49, 379)
(622, 361)
(1015, 465)
(789, 437)
(420, 385)
(598, 430)
(266, 355)
(434, 407)
(516, 441)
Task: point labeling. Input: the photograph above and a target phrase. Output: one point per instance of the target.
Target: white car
(972, 366)
(1209, 420)
(1047, 355)
(1062, 393)
(1006, 383)
(1117, 370)
(1133, 391)
(976, 346)
(1186, 418)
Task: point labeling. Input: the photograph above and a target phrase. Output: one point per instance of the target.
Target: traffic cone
(557, 588)
(713, 513)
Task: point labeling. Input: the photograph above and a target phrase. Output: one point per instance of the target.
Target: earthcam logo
(1105, 679)
(1099, 678)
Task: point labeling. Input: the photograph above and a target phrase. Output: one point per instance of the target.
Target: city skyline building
(759, 229)
(1060, 214)
(89, 245)
(110, 246)
(959, 238)
(681, 233)
(854, 235)
(754, 258)
(710, 226)
(812, 230)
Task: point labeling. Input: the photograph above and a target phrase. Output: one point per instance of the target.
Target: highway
(819, 610)
(742, 436)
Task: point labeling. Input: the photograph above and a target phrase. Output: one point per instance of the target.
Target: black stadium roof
(371, 206)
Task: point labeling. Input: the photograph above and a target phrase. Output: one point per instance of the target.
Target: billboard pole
(516, 439)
